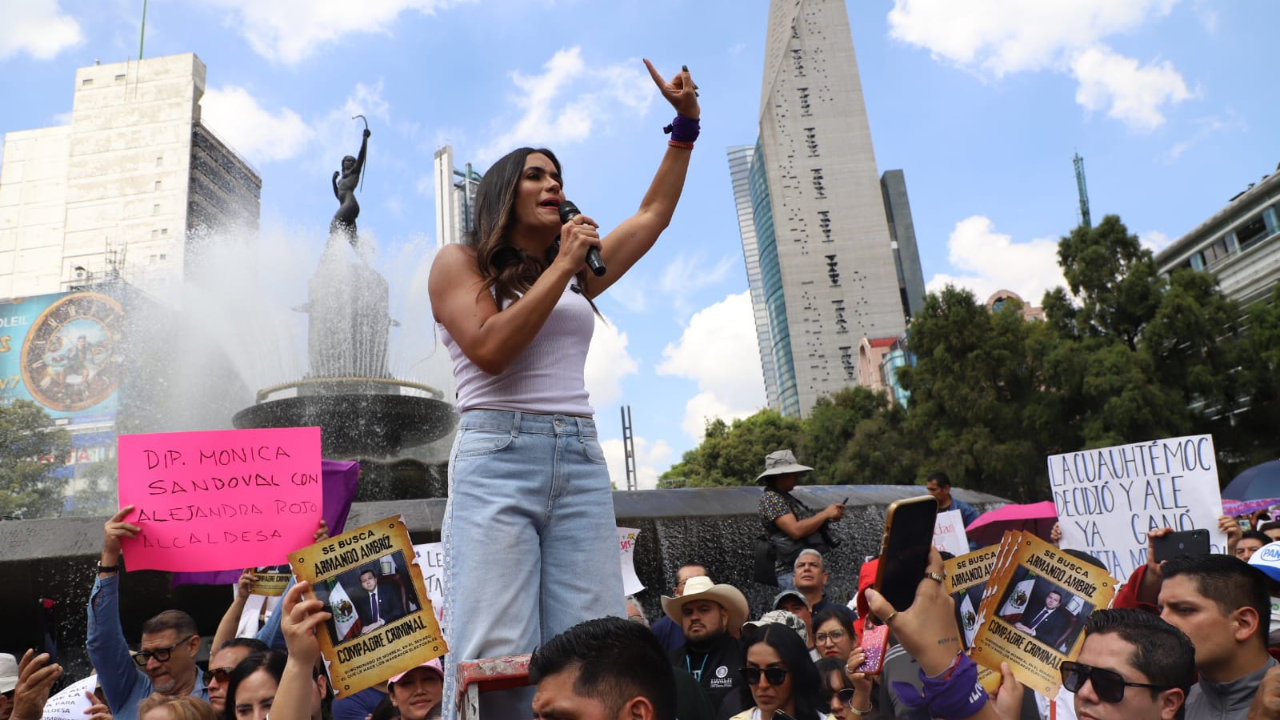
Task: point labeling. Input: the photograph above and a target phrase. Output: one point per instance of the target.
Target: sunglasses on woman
(775, 675)
(1108, 685)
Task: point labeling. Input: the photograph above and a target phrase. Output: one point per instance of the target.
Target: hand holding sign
(299, 623)
(97, 709)
(112, 532)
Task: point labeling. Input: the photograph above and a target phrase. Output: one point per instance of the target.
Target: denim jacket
(124, 684)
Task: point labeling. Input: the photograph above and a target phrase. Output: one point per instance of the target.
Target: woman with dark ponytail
(530, 542)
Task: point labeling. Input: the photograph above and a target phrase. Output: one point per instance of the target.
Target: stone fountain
(363, 412)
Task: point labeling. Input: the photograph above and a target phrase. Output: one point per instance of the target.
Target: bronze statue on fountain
(364, 413)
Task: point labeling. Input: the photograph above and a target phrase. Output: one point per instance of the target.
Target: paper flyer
(382, 622)
(270, 580)
(1034, 610)
(966, 579)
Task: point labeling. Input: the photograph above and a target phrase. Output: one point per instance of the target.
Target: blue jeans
(530, 539)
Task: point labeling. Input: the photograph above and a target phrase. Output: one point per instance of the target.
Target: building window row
(1247, 234)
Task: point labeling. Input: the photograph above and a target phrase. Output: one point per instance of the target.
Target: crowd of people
(1191, 638)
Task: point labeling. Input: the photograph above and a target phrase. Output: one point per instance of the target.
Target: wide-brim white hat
(704, 588)
(781, 462)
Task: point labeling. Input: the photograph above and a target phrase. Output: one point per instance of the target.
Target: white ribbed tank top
(547, 378)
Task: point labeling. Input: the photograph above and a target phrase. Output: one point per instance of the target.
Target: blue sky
(982, 103)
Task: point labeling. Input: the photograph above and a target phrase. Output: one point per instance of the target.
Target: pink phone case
(873, 642)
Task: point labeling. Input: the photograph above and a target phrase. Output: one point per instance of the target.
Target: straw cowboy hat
(780, 462)
(703, 588)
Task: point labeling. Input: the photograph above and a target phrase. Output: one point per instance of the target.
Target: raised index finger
(653, 73)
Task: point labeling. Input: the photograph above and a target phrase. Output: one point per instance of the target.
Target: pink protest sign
(219, 500)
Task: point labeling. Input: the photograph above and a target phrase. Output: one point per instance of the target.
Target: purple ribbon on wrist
(683, 129)
(954, 698)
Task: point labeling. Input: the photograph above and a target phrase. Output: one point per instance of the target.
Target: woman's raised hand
(680, 91)
(927, 630)
(301, 620)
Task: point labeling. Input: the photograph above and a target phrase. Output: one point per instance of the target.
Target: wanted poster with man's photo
(382, 623)
(966, 579)
(1034, 610)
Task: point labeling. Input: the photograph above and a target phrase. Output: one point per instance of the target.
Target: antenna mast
(1083, 190)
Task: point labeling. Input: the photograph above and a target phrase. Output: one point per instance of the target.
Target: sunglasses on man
(775, 675)
(160, 654)
(1108, 685)
(222, 675)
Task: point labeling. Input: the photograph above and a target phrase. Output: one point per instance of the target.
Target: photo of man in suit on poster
(381, 603)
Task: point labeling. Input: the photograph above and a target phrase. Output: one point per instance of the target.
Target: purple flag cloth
(1246, 507)
(338, 478)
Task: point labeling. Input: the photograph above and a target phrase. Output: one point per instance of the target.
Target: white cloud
(1154, 240)
(998, 37)
(689, 273)
(607, 363)
(255, 132)
(652, 459)
(719, 351)
(38, 28)
(561, 105)
(1205, 129)
(1130, 93)
(988, 261)
(289, 31)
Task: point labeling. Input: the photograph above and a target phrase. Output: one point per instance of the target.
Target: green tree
(979, 407)
(1143, 356)
(832, 424)
(733, 454)
(96, 495)
(30, 451)
(881, 452)
(1115, 285)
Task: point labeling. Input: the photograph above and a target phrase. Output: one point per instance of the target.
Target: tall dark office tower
(832, 266)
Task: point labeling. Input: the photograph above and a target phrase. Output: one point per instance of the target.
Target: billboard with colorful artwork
(65, 352)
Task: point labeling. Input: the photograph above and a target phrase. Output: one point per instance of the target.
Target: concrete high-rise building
(455, 198)
(1239, 244)
(134, 174)
(834, 242)
(740, 171)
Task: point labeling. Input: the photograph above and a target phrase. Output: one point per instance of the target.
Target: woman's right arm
(300, 619)
(489, 338)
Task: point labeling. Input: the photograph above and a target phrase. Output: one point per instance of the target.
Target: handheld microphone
(569, 211)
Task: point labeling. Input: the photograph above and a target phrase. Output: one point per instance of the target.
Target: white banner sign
(949, 535)
(431, 560)
(71, 703)
(627, 554)
(1108, 499)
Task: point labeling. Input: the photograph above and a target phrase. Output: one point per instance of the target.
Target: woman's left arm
(629, 241)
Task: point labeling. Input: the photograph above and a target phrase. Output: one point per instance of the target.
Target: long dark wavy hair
(507, 271)
(806, 686)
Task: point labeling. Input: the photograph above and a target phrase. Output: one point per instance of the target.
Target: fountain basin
(357, 425)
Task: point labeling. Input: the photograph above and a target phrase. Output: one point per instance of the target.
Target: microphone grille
(568, 210)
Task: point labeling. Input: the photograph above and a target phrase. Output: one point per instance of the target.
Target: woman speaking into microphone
(529, 532)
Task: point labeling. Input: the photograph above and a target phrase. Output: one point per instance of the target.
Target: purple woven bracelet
(683, 129)
(955, 698)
